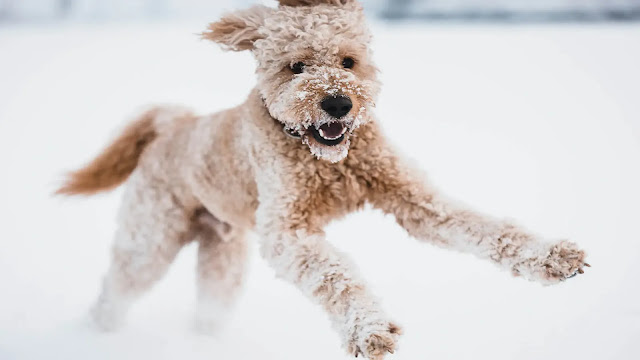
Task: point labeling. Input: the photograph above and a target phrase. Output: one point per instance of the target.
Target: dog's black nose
(337, 106)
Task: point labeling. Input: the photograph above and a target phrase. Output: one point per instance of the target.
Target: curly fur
(212, 178)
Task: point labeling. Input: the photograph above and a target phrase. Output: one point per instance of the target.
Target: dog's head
(315, 73)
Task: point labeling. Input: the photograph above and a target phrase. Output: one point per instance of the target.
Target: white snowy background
(538, 123)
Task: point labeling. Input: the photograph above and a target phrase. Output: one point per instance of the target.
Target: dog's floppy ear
(238, 30)
(313, 2)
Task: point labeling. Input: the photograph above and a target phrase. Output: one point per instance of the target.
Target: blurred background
(494, 10)
(527, 109)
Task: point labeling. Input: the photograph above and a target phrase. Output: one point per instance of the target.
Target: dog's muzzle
(331, 133)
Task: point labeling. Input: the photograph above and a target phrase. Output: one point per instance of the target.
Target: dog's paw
(565, 261)
(375, 341)
(210, 317)
(556, 263)
(107, 316)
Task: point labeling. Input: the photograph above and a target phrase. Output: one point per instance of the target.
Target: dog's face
(314, 69)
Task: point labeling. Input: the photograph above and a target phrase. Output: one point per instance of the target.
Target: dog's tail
(115, 163)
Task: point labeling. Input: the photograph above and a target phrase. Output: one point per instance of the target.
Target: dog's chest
(326, 191)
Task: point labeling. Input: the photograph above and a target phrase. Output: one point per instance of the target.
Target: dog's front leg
(429, 216)
(302, 256)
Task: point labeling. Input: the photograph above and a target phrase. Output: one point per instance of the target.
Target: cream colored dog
(302, 150)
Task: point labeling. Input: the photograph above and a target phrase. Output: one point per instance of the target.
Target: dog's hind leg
(222, 253)
(153, 226)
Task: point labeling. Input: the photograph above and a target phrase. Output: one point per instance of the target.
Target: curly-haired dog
(301, 151)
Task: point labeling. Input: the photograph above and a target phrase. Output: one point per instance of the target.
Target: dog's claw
(579, 271)
(390, 351)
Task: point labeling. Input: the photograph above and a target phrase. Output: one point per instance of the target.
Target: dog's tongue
(332, 130)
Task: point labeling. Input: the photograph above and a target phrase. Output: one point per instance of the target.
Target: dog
(302, 150)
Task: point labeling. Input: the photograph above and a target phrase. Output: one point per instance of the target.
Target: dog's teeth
(321, 132)
(344, 130)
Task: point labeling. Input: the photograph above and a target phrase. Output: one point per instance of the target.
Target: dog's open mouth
(329, 134)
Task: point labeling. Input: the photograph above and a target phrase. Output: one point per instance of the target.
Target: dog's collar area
(290, 133)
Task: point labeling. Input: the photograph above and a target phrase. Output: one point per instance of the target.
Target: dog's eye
(298, 67)
(348, 63)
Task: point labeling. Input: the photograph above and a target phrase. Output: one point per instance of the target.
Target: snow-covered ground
(541, 124)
